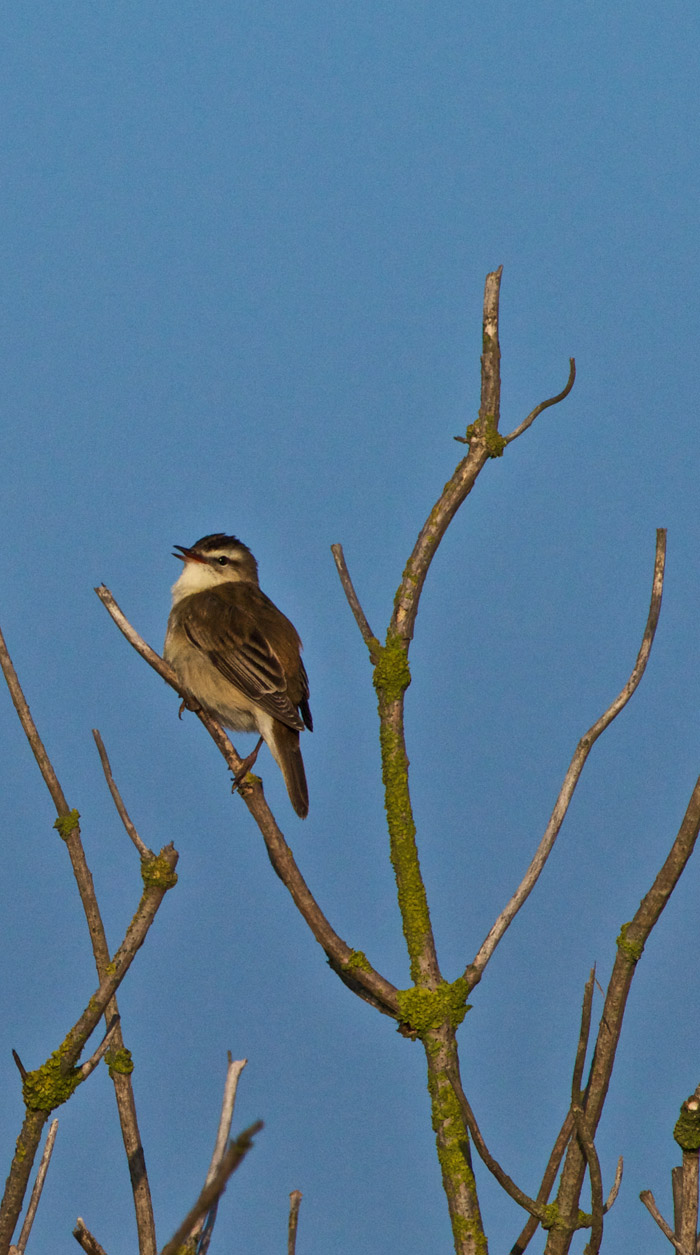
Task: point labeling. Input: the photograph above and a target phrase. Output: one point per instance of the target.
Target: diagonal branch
(475, 969)
(35, 1196)
(649, 1201)
(630, 946)
(85, 1239)
(340, 955)
(123, 813)
(354, 602)
(212, 1192)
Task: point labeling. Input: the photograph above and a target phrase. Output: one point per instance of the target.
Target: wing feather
(253, 646)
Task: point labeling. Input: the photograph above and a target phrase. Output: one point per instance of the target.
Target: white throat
(195, 577)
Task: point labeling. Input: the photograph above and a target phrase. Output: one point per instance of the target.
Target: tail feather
(284, 744)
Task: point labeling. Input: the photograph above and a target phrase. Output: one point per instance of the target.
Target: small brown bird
(238, 656)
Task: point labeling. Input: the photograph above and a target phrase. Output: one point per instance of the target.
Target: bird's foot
(245, 767)
(188, 705)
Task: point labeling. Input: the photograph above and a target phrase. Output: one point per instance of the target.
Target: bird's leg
(190, 704)
(246, 766)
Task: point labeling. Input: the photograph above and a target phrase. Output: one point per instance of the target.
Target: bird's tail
(284, 744)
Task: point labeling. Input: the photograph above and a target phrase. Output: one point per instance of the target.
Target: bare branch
(597, 1208)
(484, 442)
(649, 1201)
(339, 953)
(91, 1063)
(204, 1227)
(69, 828)
(20, 1066)
(294, 1204)
(210, 1194)
(544, 405)
(519, 1196)
(38, 1187)
(583, 1039)
(475, 969)
(630, 946)
(354, 602)
(615, 1187)
(30, 730)
(85, 1239)
(142, 848)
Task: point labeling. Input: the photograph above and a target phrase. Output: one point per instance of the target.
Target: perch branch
(339, 953)
(475, 969)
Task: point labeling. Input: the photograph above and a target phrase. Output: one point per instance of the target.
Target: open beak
(187, 555)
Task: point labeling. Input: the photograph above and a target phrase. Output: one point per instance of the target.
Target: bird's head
(215, 559)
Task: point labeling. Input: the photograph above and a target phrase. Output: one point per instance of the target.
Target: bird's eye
(222, 561)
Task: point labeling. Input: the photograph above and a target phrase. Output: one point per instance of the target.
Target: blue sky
(243, 253)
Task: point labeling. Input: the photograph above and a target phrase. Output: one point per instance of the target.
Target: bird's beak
(187, 555)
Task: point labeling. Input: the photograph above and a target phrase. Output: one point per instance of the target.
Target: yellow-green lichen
(633, 949)
(358, 959)
(66, 824)
(552, 1219)
(452, 1151)
(687, 1128)
(119, 1062)
(424, 1009)
(48, 1087)
(413, 904)
(485, 429)
(392, 674)
(157, 873)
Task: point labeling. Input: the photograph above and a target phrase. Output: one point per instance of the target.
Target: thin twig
(354, 602)
(649, 1201)
(90, 1064)
(519, 1196)
(37, 745)
(280, 855)
(582, 1046)
(38, 1187)
(615, 1187)
(85, 1239)
(475, 969)
(294, 1204)
(204, 1228)
(544, 405)
(142, 848)
(236, 1152)
(20, 1066)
